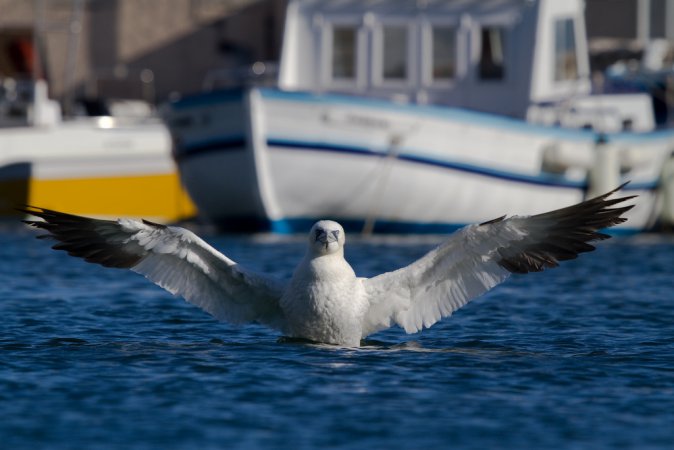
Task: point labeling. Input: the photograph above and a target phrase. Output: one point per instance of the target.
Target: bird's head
(326, 237)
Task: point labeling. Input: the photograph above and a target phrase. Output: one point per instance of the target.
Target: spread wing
(172, 257)
(478, 257)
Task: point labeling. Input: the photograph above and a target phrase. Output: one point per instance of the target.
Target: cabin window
(444, 53)
(566, 61)
(394, 53)
(492, 54)
(344, 52)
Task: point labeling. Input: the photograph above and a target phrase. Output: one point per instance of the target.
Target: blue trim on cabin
(468, 116)
(439, 111)
(460, 115)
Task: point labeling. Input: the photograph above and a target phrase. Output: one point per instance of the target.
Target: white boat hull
(270, 159)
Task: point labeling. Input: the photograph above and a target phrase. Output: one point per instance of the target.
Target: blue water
(580, 357)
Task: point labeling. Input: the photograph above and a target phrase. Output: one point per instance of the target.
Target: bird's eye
(319, 233)
(335, 233)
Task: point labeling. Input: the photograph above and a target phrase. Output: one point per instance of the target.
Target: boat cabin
(519, 58)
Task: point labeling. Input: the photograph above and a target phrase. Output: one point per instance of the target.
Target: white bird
(325, 301)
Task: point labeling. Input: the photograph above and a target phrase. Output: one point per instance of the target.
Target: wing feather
(478, 257)
(172, 257)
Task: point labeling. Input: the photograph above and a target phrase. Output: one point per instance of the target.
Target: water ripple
(579, 357)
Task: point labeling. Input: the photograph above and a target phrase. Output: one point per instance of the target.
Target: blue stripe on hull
(239, 143)
(303, 225)
(542, 180)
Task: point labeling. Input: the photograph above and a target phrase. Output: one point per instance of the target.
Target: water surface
(578, 357)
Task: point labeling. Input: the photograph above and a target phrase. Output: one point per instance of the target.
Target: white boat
(419, 116)
(106, 166)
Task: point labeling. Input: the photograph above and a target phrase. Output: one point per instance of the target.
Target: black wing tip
(603, 202)
(51, 215)
(153, 224)
(599, 204)
(79, 236)
(29, 210)
(46, 214)
(489, 222)
(569, 234)
(613, 191)
(32, 209)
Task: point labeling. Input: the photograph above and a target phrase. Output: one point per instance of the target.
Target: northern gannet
(325, 301)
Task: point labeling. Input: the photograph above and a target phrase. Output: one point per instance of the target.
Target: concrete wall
(179, 41)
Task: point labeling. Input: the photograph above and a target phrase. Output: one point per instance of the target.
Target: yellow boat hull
(81, 168)
(157, 197)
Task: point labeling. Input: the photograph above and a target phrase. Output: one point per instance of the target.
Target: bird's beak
(326, 238)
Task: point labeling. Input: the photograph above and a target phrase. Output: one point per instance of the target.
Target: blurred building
(152, 49)
(623, 29)
(630, 19)
(134, 48)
